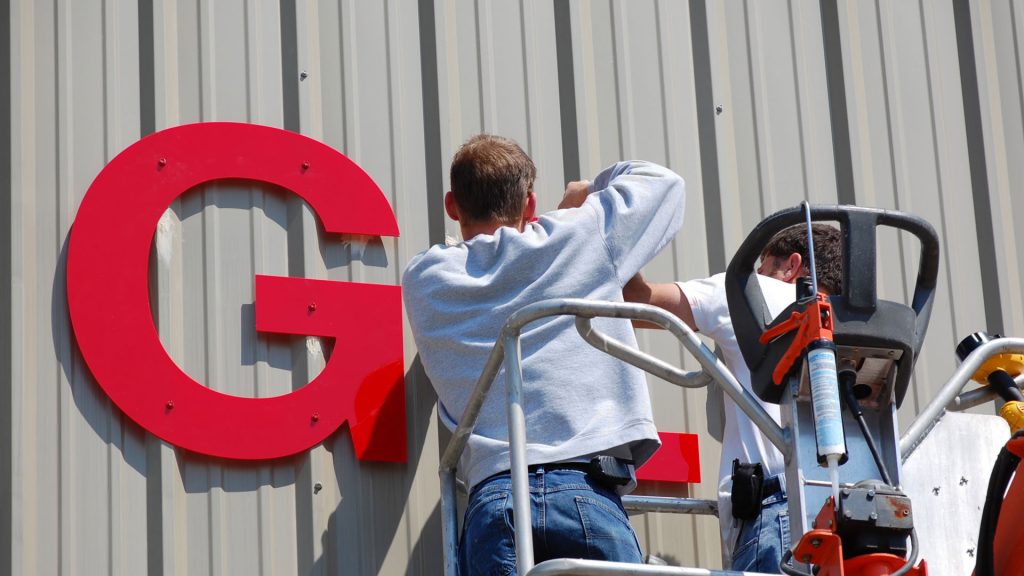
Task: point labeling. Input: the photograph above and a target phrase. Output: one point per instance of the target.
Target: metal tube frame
(507, 351)
(949, 394)
(978, 396)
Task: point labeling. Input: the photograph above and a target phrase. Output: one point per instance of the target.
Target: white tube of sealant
(827, 409)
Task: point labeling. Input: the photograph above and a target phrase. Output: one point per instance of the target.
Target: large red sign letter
(108, 297)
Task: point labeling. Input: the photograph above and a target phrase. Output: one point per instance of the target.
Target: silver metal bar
(930, 416)
(810, 250)
(824, 483)
(978, 396)
(670, 504)
(517, 453)
(629, 354)
(572, 567)
(449, 523)
(457, 444)
(711, 365)
(725, 378)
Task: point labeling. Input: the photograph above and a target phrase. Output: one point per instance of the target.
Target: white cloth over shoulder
(578, 400)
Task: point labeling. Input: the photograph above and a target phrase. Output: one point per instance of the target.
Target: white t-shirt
(741, 437)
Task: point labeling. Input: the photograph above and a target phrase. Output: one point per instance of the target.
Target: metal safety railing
(507, 351)
(951, 396)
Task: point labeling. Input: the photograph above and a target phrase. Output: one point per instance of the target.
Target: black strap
(771, 486)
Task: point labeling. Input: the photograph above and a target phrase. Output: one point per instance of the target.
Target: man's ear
(450, 206)
(794, 267)
(530, 208)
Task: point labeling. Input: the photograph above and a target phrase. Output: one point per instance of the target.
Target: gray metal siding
(917, 106)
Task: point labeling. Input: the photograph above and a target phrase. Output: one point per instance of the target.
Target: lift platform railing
(507, 351)
(951, 396)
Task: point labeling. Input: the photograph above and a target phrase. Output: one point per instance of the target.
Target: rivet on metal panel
(170, 404)
(719, 109)
(871, 494)
(873, 516)
(806, 558)
(906, 512)
(315, 417)
(305, 165)
(303, 75)
(816, 543)
(161, 163)
(317, 488)
(312, 306)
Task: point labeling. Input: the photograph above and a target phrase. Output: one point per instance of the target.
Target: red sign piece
(108, 297)
(678, 460)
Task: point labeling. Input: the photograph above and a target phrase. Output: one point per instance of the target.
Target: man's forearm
(668, 297)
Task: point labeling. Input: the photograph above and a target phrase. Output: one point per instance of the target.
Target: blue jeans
(573, 517)
(763, 540)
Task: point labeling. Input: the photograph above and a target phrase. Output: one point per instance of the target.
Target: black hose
(1004, 385)
(1002, 472)
(847, 378)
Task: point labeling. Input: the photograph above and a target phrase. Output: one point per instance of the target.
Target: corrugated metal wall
(759, 104)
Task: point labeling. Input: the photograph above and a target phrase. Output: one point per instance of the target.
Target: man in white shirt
(758, 543)
(588, 415)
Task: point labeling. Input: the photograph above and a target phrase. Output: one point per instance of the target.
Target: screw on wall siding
(970, 552)
(935, 490)
(719, 109)
(963, 481)
(317, 488)
(303, 75)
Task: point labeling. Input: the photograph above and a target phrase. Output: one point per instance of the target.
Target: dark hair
(828, 252)
(490, 178)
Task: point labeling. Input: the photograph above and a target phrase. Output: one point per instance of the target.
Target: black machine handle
(750, 314)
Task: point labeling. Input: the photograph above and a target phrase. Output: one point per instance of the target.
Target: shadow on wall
(376, 496)
(93, 404)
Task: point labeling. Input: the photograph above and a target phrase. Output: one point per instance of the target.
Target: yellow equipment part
(1012, 364)
(1013, 413)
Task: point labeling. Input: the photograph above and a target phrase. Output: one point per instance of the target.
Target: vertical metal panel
(497, 73)
(385, 518)
(774, 132)
(90, 492)
(909, 153)
(636, 99)
(81, 481)
(999, 51)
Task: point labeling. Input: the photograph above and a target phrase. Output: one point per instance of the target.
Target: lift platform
(901, 499)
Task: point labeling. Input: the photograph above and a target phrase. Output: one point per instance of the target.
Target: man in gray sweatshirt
(580, 403)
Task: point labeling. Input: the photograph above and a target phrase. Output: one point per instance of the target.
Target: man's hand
(575, 194)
